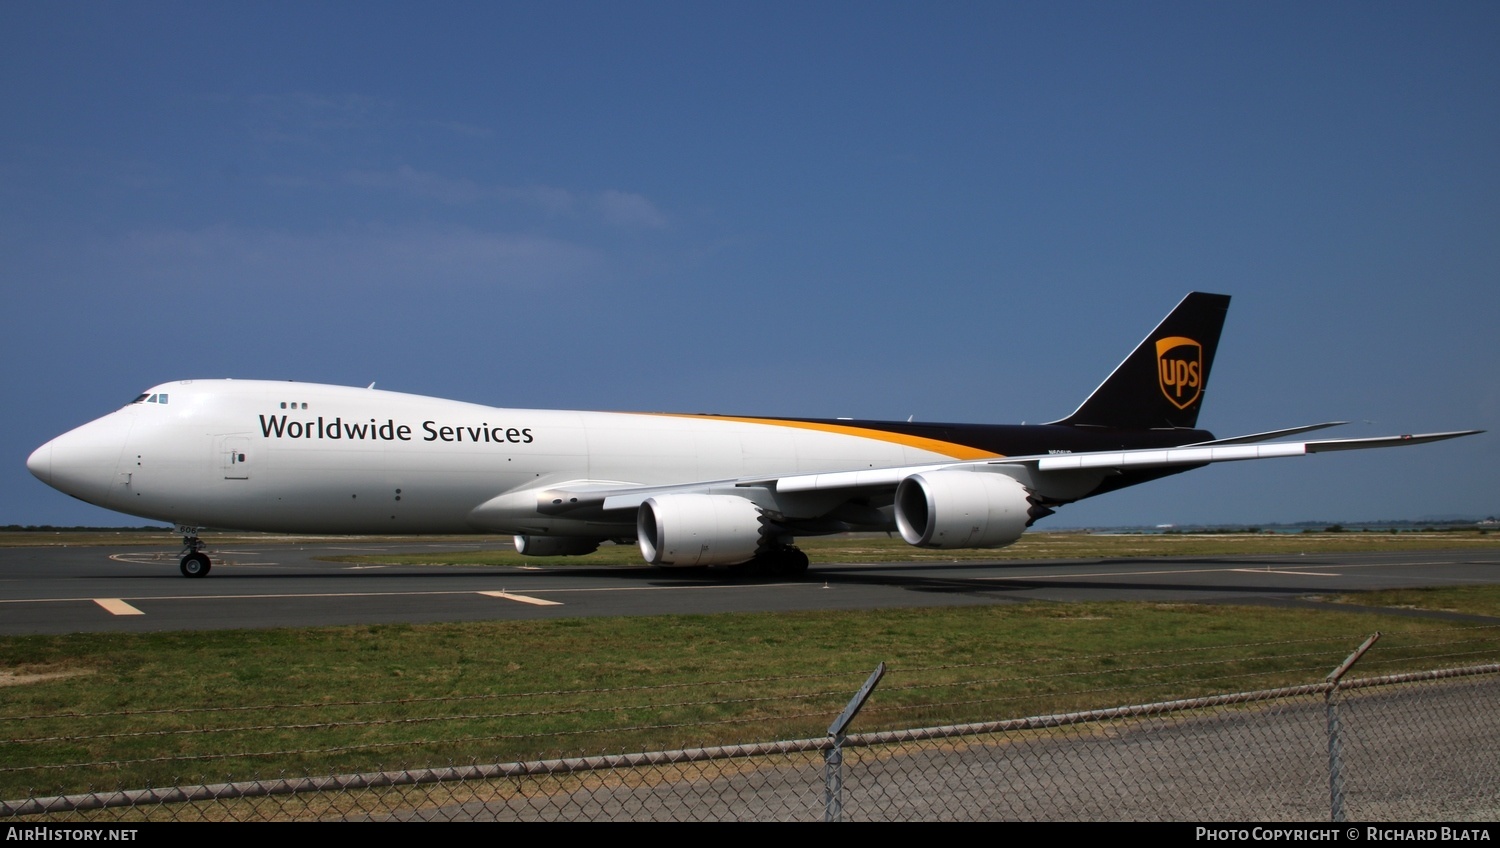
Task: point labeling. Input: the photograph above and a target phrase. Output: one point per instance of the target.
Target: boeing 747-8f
(691, 490)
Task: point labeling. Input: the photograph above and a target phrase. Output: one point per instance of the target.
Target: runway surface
(99, 589)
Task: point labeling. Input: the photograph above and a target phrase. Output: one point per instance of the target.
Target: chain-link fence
(1406, 745)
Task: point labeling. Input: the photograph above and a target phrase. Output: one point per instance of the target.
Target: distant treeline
(48, 528)
(1382, 527)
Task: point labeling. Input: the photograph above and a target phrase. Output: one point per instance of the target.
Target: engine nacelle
(688, 529)
(555, 545)
(961, 509)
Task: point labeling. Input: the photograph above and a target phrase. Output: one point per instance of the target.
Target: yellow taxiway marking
(115, 606)
(523, 599)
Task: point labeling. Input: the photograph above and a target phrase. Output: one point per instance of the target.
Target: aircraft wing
(1222, 450)
(622, 496)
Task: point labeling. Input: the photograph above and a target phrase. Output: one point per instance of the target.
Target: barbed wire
(544, 693)
(336, 725)
(458, 740)
(716, 703)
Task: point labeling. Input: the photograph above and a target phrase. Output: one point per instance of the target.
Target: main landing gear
(780, 561)
(195, 563)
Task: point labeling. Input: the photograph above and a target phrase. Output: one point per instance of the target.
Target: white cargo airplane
(692, 490)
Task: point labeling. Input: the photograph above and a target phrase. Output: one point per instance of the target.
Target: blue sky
(957, 211)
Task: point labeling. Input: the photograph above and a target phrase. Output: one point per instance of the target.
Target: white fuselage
(298, 457)
(691, 490)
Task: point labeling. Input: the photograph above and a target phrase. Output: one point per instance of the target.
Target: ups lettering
(1179, 373)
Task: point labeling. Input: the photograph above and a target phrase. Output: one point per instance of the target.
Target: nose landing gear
(194, 563)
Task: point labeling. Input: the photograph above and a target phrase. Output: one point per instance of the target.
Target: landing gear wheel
(196, 564)
(785, 561)
(793, 562)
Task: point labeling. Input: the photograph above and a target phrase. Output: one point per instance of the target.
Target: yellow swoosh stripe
(950, 449)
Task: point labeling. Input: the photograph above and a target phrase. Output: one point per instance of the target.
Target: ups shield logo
(1179, 369)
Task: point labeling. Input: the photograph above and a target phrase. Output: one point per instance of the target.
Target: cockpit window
(150, 398)
(139, 399)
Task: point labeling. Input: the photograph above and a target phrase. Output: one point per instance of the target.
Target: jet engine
(691, 529)
(555, 545)
(963, 509)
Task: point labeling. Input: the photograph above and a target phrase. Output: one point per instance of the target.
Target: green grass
(1468, 600)
(862, 548)
(132, 710)
(155, 709)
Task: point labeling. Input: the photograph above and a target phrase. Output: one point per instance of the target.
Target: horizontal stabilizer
(1267, 436)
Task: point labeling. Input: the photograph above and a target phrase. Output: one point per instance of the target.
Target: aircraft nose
(81, 463)
(40, 463)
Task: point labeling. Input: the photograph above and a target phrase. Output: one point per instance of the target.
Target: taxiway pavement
(100, 589)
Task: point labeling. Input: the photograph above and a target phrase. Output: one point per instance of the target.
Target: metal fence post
(1335, 735)
(833, 781)
(833, 757)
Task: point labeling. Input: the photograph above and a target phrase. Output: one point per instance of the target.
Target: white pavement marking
(523, 599)
(1269, 570)
(115, 606)
(159, 558)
